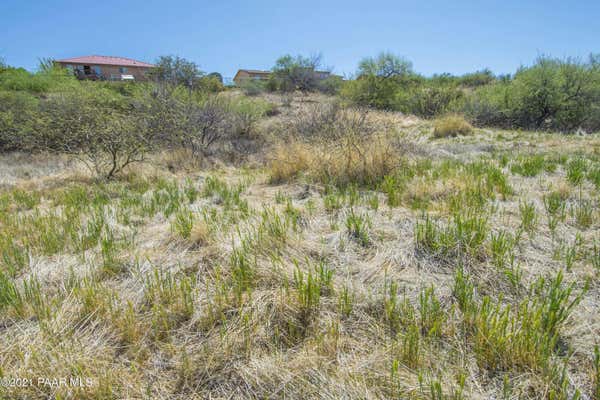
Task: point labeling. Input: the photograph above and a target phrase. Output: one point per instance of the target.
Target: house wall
(242, 76)
(112, 72)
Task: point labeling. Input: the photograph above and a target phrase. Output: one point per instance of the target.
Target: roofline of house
(134, 63)
(259, 72)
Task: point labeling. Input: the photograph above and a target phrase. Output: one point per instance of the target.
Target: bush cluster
(109, 125)
(552, 94)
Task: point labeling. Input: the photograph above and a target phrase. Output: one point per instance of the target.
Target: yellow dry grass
(451, 126)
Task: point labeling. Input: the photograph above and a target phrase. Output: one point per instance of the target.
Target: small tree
(18, 113)
(379, 80)
(478, 78)
(105, 139)
(554, 93)
(178, 118)
(205, 124)
(297, 73)
(385, 65)
(176, 70)
(116, 143)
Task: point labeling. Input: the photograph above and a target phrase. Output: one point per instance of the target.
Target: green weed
(576, 170)
(529, 166)
(529, 218)
(182, 223)
(358, 227)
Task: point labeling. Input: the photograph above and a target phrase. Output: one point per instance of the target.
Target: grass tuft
(451, 126)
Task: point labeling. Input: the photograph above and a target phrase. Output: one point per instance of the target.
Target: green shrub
(429, 100)
(476, 79)
(552, 94)
(252, 87)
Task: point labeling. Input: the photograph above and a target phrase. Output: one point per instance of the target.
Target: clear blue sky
(437, 36)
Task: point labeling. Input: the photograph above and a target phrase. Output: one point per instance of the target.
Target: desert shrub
(105, 138)
(48, 79)
(344, 162)
(385, 65)
(478, 78)
(211, 83)
(452, 125)
(20, 79)
(288, 161)
(388, 82)
(175, 70)
(331, 85)
(429, 100)
(247, 112)
(371, 91)
(330, 120)
(379, 80)
(336, 145)
(18, 111)
(490, 106)
(252, 87)
(205, 123)
(552, 94)
(296, 73)
(199, 121)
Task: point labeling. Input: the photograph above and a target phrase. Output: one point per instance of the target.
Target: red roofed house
(106, 68)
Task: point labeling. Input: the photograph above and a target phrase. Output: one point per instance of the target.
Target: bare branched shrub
(106, 140)
(205, 124)
(179, 119)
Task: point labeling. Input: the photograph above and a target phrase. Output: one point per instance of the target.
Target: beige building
(244, 75)
(107, 68)
(253, 74)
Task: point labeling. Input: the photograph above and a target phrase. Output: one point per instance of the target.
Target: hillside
(333, 253)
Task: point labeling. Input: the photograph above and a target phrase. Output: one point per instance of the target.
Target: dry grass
(451, 126)
(341, 162)
(346, 268)
(289, 160)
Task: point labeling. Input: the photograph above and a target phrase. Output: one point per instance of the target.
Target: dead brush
(289, 161)
(336, 145)
(359, 161)
(452, 126)
(349, 160)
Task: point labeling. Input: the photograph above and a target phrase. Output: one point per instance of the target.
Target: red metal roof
(106, 60)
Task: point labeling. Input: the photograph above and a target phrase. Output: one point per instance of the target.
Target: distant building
(106, 68)
(244, 75)
(257, 75)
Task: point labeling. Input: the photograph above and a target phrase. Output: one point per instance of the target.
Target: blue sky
(437, 36)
